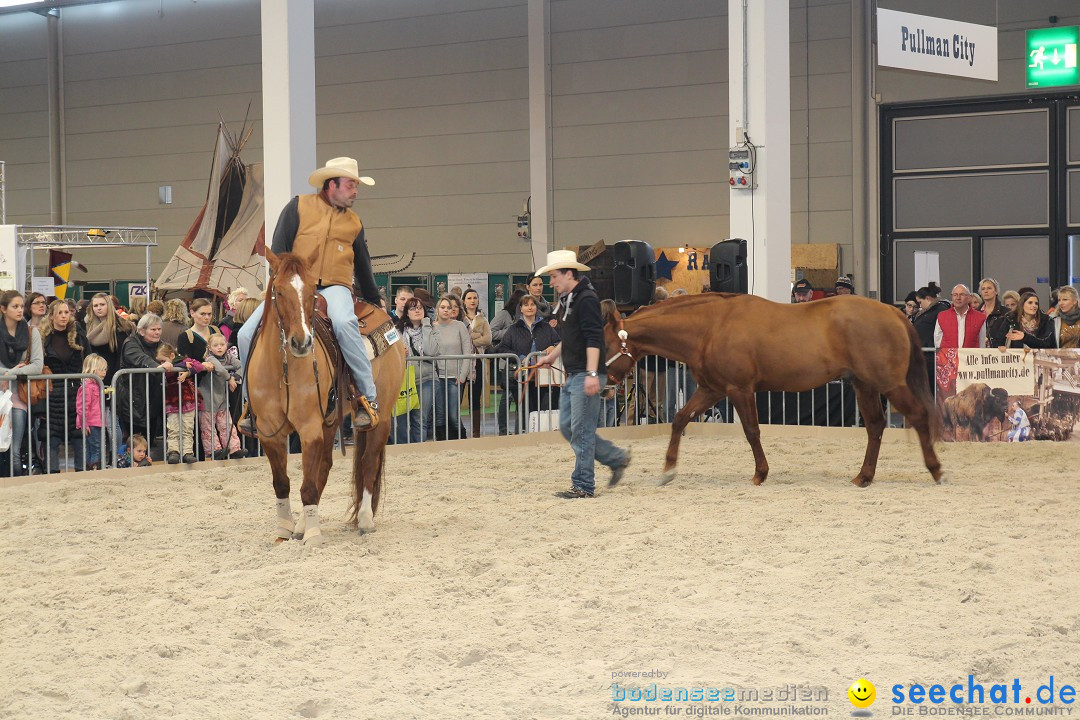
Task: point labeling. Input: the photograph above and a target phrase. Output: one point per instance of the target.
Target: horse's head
(292, 297)
(620, 356)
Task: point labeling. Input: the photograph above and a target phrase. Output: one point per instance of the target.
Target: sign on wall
(936, 45)
(1051, 57)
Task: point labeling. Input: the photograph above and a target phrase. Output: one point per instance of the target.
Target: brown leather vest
(331, 232)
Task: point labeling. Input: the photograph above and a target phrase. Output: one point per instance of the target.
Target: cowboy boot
(246, 424)
(365, 414)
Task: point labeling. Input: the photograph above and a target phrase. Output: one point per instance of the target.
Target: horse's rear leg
(698, 403)
(279, 466)
(746, 405)
(917, 414)
(371, 457)
(874, 419)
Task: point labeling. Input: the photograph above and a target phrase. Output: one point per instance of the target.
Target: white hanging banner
(926, 268)
(936, 45)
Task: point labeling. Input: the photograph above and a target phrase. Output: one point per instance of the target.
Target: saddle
(376, 328)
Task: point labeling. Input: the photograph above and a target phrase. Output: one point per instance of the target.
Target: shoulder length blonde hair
(112, 321)
(47, 327)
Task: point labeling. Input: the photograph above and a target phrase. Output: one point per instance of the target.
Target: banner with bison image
(1009, 395)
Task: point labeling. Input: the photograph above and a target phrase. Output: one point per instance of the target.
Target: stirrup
(246, 424)
(364, 407)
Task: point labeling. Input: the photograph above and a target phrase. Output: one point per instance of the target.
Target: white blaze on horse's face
(298, 284)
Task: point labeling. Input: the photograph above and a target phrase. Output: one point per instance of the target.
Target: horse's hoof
(279, 540)
(365, 523)
(860, 481)
(757, 480)
(365, 530)
(942, 478)
(665, 477)
(316, 539)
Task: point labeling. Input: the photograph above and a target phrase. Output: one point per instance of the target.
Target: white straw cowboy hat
(338, 167)
(562, 260)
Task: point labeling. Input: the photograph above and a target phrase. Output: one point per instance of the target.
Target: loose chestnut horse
(289, 379)
(735, 345)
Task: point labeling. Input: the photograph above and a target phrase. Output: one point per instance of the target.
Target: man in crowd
(802, 292)
(845, 285)
(325, 225)
(960, 326)
(582, 352)
(404, 294)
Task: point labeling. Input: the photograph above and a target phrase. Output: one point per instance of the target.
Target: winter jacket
(131, 395)
(61, 358)
(88, 405)
(214, 386)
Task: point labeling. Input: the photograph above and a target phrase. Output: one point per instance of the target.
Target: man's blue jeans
(339, 306)
(578, 413)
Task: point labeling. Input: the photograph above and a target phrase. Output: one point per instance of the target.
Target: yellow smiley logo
(862, 693)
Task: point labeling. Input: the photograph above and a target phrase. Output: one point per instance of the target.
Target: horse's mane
(689, 300)
(291, 264)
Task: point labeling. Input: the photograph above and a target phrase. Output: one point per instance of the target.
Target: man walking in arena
(324, 225)
(582, 352)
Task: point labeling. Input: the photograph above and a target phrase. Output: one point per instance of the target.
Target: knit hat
(845, 282)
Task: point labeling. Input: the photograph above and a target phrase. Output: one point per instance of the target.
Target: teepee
(225, 246)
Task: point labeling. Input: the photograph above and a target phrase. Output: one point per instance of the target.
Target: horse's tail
(363, 442)
(919, 384)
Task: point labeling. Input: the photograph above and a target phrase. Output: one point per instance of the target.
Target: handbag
(408, 398)
(31, 392)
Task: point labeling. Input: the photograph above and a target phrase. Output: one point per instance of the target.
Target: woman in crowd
(536, 291)
(136, 395)
(413, 426)
(106, 332)
(527, 335)
(1067, 321)
(192, 343)
(448, 337)
(20, 354)
(505, 317)
(480, 332)
(36, 308)
(1009, 300)
(232, 304)
(64, 347)
(1028, 326)
(995, 312)
(174, 322)
(137, 305)
(911, 305)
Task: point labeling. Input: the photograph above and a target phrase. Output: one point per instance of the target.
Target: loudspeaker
(727, 266)
(634, 273)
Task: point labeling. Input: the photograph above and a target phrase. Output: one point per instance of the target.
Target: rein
(624, 349)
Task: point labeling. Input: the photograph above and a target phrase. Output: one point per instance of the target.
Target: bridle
(272, 296)
(624, 348)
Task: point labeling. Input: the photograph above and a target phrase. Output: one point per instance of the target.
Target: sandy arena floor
(482, 596)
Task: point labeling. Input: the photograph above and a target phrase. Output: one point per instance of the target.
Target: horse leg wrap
(312, 533)
(285, 525)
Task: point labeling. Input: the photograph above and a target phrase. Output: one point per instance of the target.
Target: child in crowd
(89, 416)
(181, 405)
(218, 431)
(140, 452)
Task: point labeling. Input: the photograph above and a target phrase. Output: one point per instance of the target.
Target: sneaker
(617, 473)
(189, 458)
(366, 414)
(574, 493)
(172, 458)
(239, 454)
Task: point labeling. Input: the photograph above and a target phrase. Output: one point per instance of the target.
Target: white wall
(431, 96)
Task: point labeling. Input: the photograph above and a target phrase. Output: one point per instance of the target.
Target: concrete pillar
(759, 99)
(542, 223)
(57, 175)
(288, 92)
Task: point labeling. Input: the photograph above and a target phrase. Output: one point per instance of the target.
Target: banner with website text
(1012, 395)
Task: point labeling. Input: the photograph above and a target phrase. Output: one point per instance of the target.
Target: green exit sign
(1051, 57)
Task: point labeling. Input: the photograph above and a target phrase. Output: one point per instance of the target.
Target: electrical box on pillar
(741, 166)
(634, 274)
(727, 266)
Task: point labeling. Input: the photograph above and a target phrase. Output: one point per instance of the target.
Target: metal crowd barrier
(47, 457)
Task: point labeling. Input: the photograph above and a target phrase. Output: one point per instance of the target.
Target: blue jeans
(427, 404)
(93, 446)
(75, 445)
(339, 306)
(407, 428)
(578, 413)
(447, 405)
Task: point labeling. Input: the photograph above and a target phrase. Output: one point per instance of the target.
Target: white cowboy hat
(338, 167)
(562, 260)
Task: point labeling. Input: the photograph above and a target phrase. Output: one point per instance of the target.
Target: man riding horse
(324, 227)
